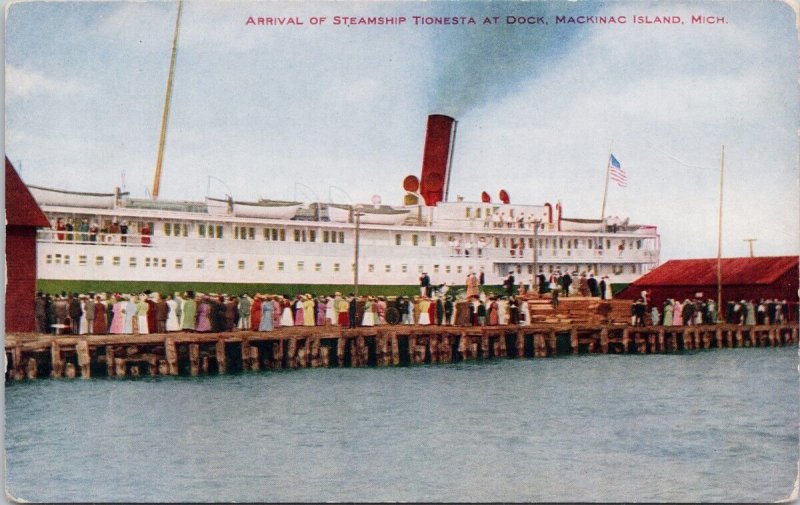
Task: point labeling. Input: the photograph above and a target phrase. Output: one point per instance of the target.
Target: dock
(31, 356)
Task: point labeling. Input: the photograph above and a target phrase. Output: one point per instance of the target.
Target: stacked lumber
(579, 310)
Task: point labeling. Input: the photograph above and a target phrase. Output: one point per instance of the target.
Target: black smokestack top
(436, 158)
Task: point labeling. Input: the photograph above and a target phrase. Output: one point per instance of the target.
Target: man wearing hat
(424, 284)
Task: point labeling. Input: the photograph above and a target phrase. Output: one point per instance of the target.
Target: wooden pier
(34, 355)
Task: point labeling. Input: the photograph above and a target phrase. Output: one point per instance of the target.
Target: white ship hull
(184, 248)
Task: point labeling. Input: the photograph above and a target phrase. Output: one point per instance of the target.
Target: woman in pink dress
(118, 317)
(203, 319)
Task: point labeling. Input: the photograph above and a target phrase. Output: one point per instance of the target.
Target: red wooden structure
(23, 217)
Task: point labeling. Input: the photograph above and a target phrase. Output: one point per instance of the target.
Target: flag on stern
(616, 173)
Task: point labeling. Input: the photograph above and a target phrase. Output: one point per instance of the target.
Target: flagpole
(719, 233)
(605, 190)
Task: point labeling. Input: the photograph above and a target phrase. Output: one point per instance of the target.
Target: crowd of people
(150, 312)
(698, 311)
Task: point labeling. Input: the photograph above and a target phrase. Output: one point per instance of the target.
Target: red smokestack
(436, 159)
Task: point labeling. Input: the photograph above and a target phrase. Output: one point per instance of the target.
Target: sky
(337, 113)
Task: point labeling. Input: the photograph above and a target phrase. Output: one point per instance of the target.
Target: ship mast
(167, 100)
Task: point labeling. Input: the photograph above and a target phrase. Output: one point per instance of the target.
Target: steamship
(102, 237)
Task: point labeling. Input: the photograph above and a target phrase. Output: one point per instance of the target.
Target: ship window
(297, 235)
(261, 265)
(280, 266)
(220, 264)
(419, 269)
(66, 259)
(638, 244)
(282, 234)
(326, 236)
(147, 262)
(447, 269)
(370, 268)
(478, 213)
(550, 268)
(266, 233)
(167, 229)
(341, 237)
(318, 267)
(201, 230)
(312, 235)
(608, 244)
(388, 269)
(561, 243)
(569, 244)
(496, 242)
(300, 266)
(467, 212)
(82, 260)
(459, 269)
(414, 239)
(240, 265)
(404, 268)
(433, 240)
(275, 234)
(178, 263)
(530, 243)
(530, 269)
(336, 267)
(185, 230)
(199, 263)
(436, 269)
(219, 231)
(251, 233)
(116, 260)
(99, 260)
(398, 239)
(49, 259)
(633, 269)
(304, 235)
(132, 262)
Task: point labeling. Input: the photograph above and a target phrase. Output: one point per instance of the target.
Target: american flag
(616, 173)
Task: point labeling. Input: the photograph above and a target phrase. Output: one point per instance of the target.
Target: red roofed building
(23, 217)
(742, 279)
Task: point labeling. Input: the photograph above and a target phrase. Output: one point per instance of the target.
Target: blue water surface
(718, 425)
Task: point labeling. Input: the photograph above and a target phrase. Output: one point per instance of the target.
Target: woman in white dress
(424, 315)
(83, 327)
(368, 319)
(330, 311)
(173, 324)
(287, 319)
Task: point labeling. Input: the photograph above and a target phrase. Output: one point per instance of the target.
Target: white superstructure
(238, 242)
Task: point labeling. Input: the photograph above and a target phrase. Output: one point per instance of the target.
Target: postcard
(327, 152)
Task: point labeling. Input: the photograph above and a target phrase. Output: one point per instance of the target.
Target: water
(718, 425)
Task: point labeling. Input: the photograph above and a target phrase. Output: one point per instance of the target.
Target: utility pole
(357, 216)
(750, 240)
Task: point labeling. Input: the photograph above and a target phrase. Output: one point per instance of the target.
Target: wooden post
(171, 354)
(16, 370)
(163, 367)
(69, 371)
(56, 360)
(325, 356)
(205, 364)
(539, 346)
(752, 334)
(31, 369)
(484, 345)
(119, 367)
(661, 346)
(364, 349)
(739, 338)
(573, 340)
(553, 342)
(412, 349)
(315, 358)
(255, 361)
(277, 355)
(194, 359)
(340, 349)
(718, 336)
(135, 371)
(245, 354)
(433, 342)
(221, 356)
(395, 350)
(355, 356)
(462, 346)
(502, 348)
(110, 360)
(306, 361)
(292, 356)
(625, 340)
(446, 350)
(152, 365)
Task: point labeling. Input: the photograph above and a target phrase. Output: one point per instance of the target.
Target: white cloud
(24, 83)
